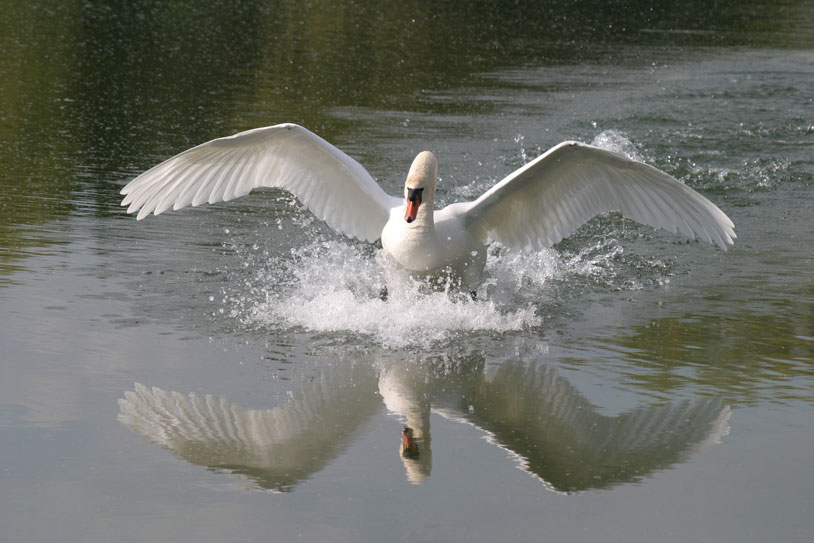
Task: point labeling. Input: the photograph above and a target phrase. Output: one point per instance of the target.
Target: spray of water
(333, 286)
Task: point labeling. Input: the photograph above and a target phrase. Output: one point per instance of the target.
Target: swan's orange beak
(413, 201)
(412, 210)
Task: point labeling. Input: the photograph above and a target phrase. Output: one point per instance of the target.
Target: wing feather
(335, 187)
(549, 198)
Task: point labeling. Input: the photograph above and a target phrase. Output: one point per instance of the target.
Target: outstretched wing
(549, 198)
(335, 187)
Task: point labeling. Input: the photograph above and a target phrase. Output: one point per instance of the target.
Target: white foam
(334, 287)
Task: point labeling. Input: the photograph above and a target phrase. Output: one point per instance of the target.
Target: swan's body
(432, 240)
(534, 207)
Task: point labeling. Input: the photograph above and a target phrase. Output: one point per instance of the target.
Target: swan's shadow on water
(527, 409)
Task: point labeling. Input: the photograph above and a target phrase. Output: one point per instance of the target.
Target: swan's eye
(415, 194)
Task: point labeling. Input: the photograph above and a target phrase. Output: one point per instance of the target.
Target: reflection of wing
(561, 438)
(276, 448)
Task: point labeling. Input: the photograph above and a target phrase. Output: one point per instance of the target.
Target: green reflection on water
(745, 358)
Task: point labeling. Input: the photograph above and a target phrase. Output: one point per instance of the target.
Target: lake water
(229, 373)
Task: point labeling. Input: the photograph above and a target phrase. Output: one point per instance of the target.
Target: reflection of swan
(556, 434)
(534, 207)
(276, 448)
(528, 410)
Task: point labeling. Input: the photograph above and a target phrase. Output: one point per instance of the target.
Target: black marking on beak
(414, 197)
(413, 194)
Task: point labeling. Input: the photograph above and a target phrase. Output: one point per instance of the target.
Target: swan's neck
(419, 187)
(425, 218)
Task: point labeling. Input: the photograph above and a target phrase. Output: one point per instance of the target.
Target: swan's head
(416, 455)
(409, 445)
(420, 185)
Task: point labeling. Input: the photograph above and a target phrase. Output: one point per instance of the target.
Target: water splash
(334, 287)
(757, 174)
(617, 142)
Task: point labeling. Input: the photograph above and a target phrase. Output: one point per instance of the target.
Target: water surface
(229, 372)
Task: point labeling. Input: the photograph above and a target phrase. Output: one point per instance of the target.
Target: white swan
(534, 207)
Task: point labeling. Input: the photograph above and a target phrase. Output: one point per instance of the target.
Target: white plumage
(534, 207)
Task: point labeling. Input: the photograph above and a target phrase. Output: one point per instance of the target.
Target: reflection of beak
(409, 447)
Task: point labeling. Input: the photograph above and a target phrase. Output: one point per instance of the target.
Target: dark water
(229, 373)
